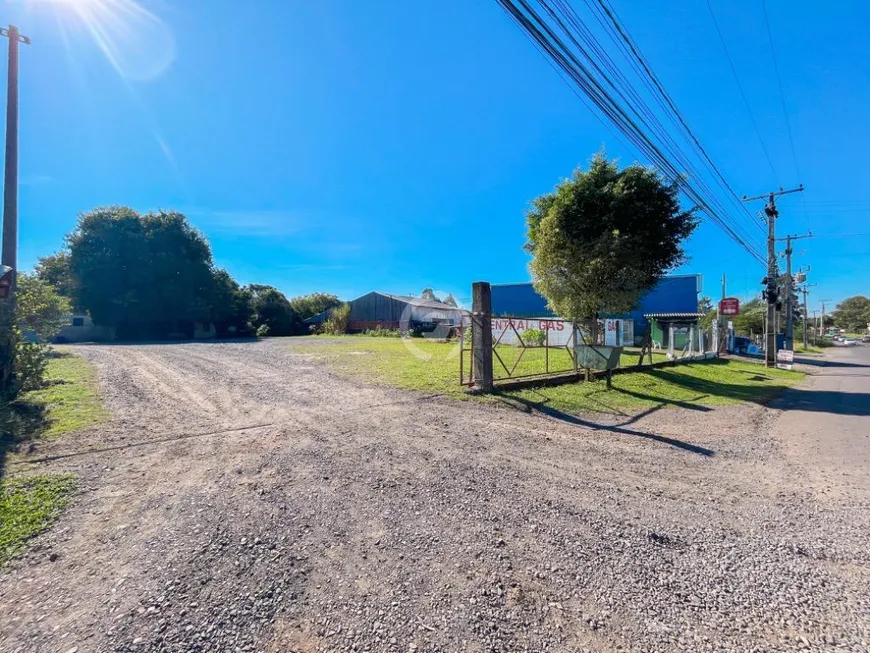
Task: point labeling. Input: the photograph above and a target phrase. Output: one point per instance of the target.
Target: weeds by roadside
(28, 505)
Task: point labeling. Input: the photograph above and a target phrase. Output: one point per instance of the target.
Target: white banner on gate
(558, 332)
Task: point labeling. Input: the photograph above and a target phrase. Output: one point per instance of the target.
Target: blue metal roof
(673, 294)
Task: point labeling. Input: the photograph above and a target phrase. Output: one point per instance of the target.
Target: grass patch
(71, 397)
(433, 367)
(698, 385)
(811, 349)
(69, 401)
(28, 505)
(413, 364)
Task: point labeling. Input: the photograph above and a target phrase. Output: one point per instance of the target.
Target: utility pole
(10, 180)
(789, 288)
(771, 294)
(822, 318)
(806, 291)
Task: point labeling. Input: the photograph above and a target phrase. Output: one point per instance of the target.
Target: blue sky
(345, 146)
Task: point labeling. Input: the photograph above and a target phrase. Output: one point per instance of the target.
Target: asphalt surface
(825, 428)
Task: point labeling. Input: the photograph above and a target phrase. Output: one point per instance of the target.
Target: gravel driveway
(244, 499)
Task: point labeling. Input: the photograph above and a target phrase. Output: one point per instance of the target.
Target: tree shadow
(20, 423)
(530, 406)
(824, 401)
(668, 402)
(759, 394)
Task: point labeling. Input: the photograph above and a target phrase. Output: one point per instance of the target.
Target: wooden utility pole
(481, 336)
(771, 293)
(10, 180)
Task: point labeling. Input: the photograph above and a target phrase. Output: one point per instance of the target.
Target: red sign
(729, 306)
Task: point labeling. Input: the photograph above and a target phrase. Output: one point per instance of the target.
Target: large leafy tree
(231, 307)
(751, 318)
(853, 314)
(143, 275)
(306, 306)
(604, 237)
(55, 270)
(272, 309)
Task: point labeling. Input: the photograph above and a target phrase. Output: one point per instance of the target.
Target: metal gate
(524, 348)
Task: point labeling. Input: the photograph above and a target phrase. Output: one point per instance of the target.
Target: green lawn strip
(71, 397)
(28, 505)
(413, 364)
(691, 385)
(429, 366)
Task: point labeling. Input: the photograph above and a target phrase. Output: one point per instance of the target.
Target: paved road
(826, 427)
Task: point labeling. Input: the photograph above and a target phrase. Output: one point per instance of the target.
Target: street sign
(785, 359)
(729, 306)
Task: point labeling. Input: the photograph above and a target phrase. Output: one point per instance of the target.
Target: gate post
(481, 335)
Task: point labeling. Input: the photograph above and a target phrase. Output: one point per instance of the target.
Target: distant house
(401, 312)
(81, 328)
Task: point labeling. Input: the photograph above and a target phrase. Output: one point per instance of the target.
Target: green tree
(272, 309)
(604, 237)
(40, 309)
(141, 275)
(306, 306)
(705, 306)
(232, 309)
(55, 270)
(852, 314)
(751, 318)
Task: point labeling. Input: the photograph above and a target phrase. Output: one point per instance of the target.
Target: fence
(531, 350)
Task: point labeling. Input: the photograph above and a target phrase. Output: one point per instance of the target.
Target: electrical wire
(742, 93)
(587, 67)
(784, 109)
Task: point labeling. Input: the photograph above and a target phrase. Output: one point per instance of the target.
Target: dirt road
(244, 499)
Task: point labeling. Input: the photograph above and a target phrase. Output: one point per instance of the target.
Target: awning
(674, 316)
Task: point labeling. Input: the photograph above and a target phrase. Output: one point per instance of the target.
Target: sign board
(729, 306)
(613, 333)
(785, 359)
(505, 330)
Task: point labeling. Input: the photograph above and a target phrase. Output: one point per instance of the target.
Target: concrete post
(671, 340)
(481, 335)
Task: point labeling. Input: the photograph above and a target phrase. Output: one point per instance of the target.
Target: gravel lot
(244, 499)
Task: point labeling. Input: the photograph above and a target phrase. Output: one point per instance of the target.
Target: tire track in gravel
(370, 518)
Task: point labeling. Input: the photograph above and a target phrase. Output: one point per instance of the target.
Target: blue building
(674, 295)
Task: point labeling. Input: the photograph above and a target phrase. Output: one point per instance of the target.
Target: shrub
(22, 365)
(338, 319)
(262, 330)
(534, 337)
(381, 332)
(31, 363)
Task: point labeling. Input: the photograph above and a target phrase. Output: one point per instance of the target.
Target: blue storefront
(673, 294)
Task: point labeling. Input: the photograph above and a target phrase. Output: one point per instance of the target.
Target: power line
(599, 79)
(742, 93)
(638, 55)
(782, 100)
